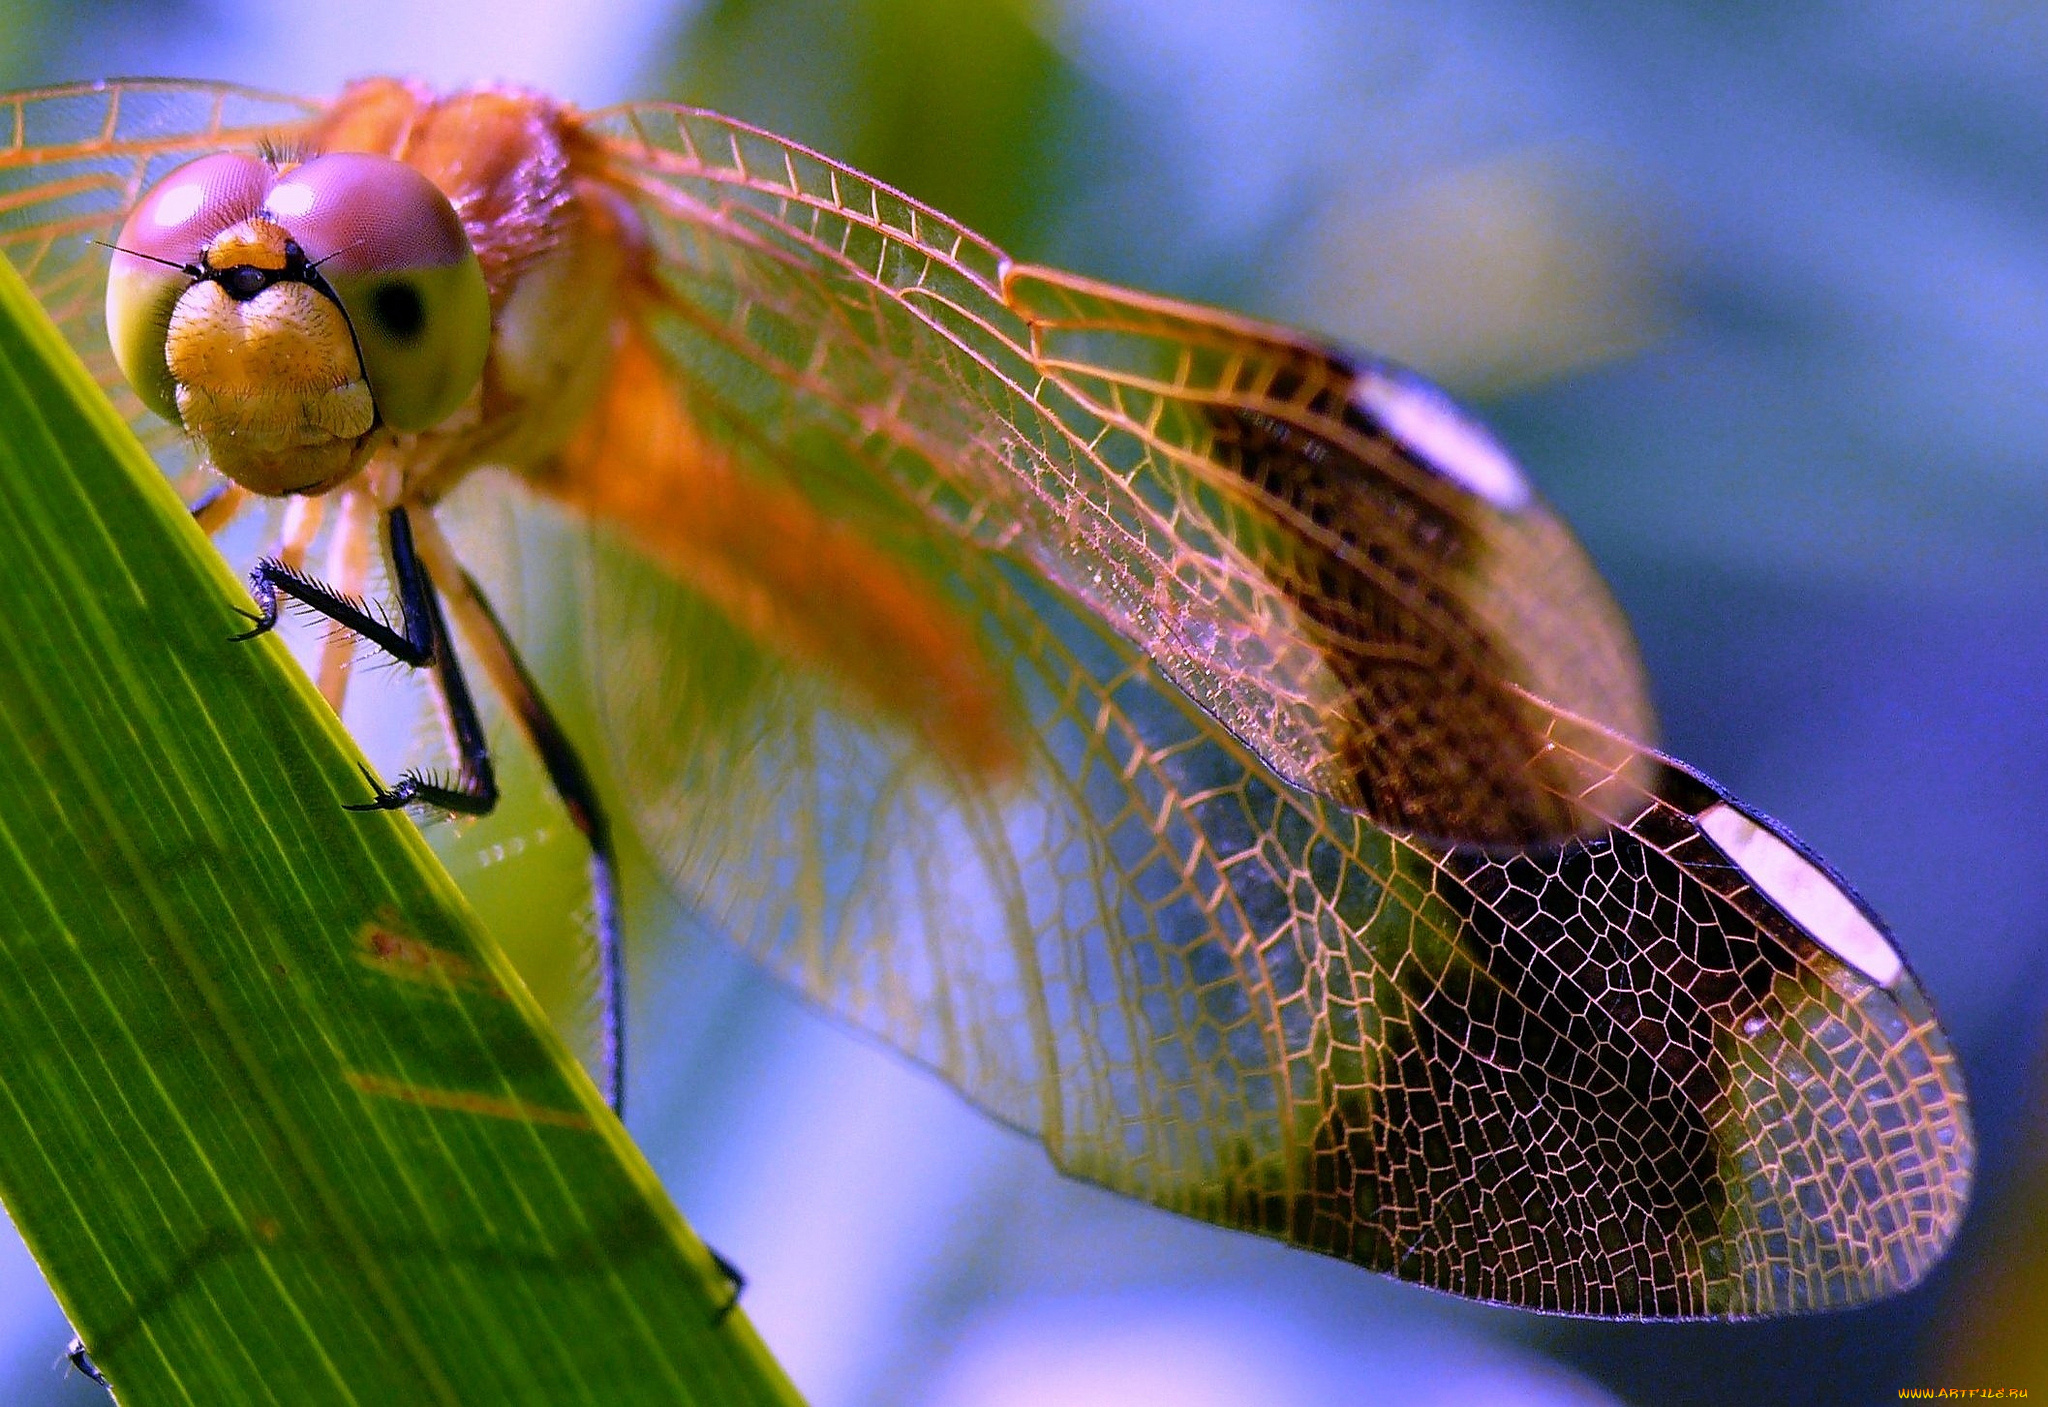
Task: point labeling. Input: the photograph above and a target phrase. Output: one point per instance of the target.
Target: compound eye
(391, 247)
(166, 234)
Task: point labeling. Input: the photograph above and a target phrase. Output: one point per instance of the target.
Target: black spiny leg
(572, 783)
(420, 640)
(82, 1361)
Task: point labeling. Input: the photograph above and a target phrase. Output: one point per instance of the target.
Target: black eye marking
(398, 310)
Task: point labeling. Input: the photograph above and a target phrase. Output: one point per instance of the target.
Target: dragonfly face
(281, 328)
(1195, 742)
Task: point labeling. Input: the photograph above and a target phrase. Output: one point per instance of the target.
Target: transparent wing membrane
(1222, 494)
(1236, 608)
(1196, 743)
(1586, 1079)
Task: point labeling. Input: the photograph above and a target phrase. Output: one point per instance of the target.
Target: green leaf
(276, 1116)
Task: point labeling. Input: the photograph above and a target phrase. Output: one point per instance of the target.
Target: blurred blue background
(1759, 294)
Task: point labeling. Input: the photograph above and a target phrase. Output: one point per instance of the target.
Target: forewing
(1321, 551)
(74, 159)
(1607, 1076)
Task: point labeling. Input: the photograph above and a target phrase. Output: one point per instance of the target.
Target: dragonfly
(1196, 742)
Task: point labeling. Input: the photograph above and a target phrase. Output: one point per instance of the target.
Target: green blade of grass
(276, 1117)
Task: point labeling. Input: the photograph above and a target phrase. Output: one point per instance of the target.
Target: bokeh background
(1760, 295)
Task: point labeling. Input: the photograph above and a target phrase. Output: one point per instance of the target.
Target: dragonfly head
(284, 317)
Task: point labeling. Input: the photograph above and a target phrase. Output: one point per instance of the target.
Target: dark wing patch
(1437, 590)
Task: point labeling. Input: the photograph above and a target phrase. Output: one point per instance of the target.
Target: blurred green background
(1760, 296)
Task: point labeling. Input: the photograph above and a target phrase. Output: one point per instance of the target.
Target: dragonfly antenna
(193, 270)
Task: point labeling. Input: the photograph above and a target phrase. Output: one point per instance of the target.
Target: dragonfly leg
(500, 659)
(82, 1361)
(734, 1278)
(580, 795)
(572, 783)
(418, 642)
(348, 566)
(422, 637)
(212, 509)
(411, 644)
(493, 648)
(302, 519)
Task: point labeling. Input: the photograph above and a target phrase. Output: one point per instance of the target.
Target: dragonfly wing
(1611, 1074)
(1610, 1078)
(74, 159)
(1320, 550)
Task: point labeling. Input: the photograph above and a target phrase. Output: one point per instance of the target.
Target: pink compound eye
(162, 240)
(177, 220)
(392, 248)
(354, 214)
